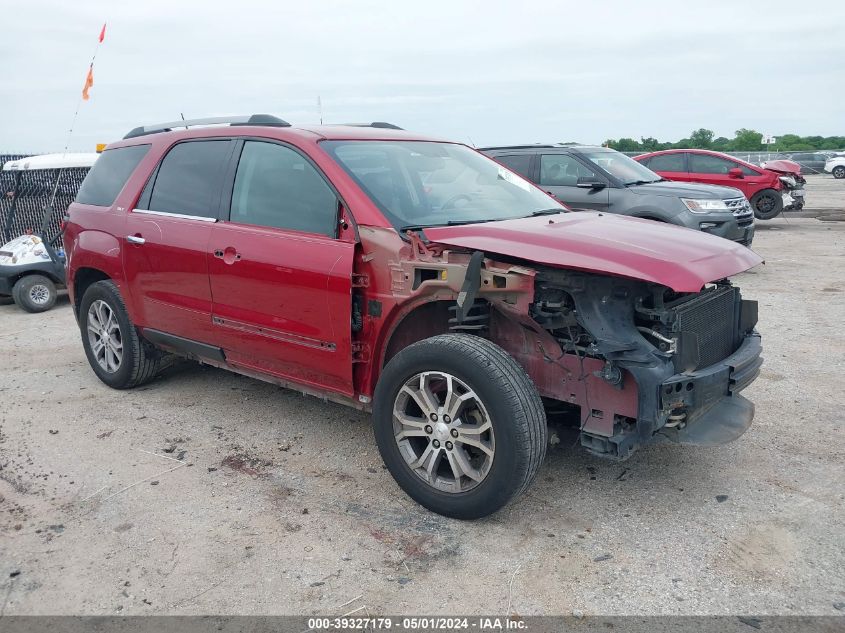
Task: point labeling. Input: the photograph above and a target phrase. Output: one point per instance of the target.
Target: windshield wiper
(643, 182)
(552, 211)
(418, 227)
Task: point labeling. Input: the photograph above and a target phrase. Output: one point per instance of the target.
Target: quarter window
(188, 179)
(562, 170)
(109, 173)
(278, 187)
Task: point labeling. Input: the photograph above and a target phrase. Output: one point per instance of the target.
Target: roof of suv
(268, 125)
(537, 146)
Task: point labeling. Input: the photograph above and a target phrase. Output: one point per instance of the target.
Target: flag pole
(84, 95)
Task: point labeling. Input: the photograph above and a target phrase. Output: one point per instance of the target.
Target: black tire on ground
(35, 293)
(140, 359)
(767, 204)
(511, 400)
(839, 171)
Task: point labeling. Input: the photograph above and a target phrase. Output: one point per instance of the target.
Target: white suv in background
(835, 165)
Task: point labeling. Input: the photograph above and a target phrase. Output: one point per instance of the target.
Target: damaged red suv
(416, 279)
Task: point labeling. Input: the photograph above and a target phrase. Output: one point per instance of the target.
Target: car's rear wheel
(767, 204)
(839, 171)
(35, 293)
(115, 351)
(459, 425)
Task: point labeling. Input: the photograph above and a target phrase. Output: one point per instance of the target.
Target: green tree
(788, 142)
(702, 138)
(722, 144)
(627, 145)
(651, 144)
(748, 140)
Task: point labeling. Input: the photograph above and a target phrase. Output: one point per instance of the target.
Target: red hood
(682, 259)
(782, 166)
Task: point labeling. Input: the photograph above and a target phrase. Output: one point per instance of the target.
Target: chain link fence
(25, 197)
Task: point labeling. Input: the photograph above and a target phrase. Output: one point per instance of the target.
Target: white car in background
(835, 165)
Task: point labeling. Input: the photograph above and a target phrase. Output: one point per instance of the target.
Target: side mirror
(736, 172)
(590, 182)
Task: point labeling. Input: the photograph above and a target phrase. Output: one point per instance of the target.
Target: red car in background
(770, 190)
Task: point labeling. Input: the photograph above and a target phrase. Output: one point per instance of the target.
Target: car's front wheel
(839, 171)
(767, 204)
(115, 351)
(459, 425)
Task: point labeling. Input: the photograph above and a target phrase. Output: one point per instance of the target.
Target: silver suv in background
(602, 179)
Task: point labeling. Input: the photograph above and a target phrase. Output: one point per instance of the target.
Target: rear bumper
(704, 406)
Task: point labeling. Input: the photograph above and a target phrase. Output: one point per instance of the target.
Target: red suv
(768, 190)
(416, 279)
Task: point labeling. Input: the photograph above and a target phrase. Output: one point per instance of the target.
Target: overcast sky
(483, 72)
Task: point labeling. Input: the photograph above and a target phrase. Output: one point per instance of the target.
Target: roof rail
(254, 119)
(532, 146)
(380, 124)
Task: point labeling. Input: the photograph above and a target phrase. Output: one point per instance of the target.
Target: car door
(715, 170)
(281, 278)
(671, 166)
(559, 176)
(167, 235)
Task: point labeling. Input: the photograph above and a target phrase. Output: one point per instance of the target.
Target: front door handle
(135, 239)
(229, 255)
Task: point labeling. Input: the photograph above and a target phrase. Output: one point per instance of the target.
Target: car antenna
(320, 108)
(182, 114)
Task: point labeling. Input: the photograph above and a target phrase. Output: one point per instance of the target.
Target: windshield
(418, 184)
(625, 168)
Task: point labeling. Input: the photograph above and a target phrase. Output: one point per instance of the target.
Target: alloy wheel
(39, 294)
(443, 431)
(765, 204)
(105, 336)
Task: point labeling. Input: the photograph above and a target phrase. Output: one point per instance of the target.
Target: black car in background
(811, 162)
(602, 179)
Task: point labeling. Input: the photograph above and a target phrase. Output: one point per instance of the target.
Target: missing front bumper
(704, 407)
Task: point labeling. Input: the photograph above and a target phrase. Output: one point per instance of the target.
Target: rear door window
(109, 174)
(276, 186)
(189, 178)
(520, 163)
(667, 162)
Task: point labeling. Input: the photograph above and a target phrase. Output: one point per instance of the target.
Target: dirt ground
(206, 492)
(825, 198)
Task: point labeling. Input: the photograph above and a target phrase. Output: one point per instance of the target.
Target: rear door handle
(135, 239)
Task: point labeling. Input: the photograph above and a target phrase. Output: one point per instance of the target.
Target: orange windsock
(89, 81)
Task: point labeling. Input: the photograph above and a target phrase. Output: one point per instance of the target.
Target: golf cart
(34, 194)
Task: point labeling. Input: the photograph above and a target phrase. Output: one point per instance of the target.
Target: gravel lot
(279, 503)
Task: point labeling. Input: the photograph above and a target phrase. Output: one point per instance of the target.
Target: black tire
(767, 204)
(839, 171)
(140, 359)
(35, 293)
(515, 410)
